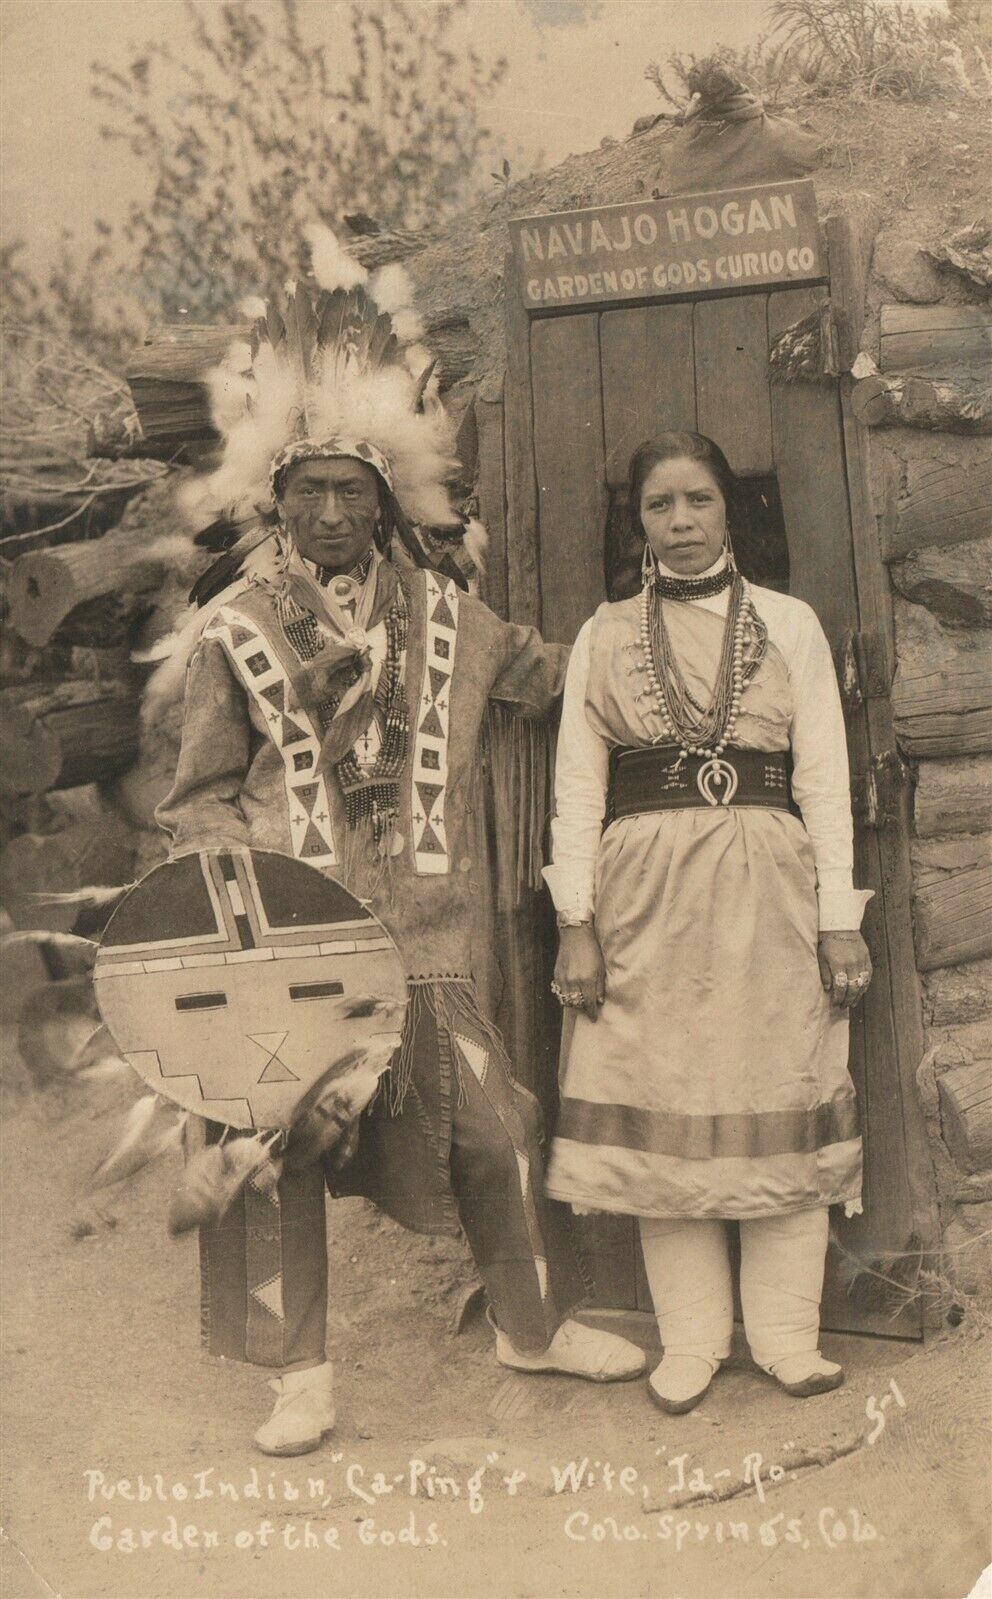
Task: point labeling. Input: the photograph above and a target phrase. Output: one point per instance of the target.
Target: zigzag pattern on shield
(229, 980)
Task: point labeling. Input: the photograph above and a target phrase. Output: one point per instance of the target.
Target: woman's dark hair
(689, 447)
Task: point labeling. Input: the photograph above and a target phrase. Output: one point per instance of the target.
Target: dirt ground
(447, 1477)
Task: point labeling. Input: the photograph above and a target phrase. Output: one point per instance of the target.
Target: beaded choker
(693, 588)
(325, 574)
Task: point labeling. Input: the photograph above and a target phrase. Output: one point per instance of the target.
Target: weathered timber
(166, 380)
(945, 712)
(45, 589)
(60, 504)
(492, 501)
(730, 338)
(934, 857)
(889, 1032)
(850, 241)
(953, 917)
(966, 1114)
(954, 796)
(380, 246)
(523, 582)
(809, 457)
(943, 504)
(918, 337)
(942, 405)
(649, 380)
(60, 735)
(954, 583)
(166, 376)
(958, 993)
(966, 252)
(571, 477)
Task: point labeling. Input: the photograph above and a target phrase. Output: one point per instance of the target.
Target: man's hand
(845, 966)
(580, 969)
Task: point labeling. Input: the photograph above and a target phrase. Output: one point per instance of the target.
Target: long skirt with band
(714, 1081)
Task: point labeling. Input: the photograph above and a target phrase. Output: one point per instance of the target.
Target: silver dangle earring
(649, 567)
(728, 549)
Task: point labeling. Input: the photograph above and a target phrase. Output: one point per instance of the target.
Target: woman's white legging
(782, 1260)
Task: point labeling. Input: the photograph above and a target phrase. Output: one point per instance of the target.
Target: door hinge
(861, 670)
(877, 795)
(849, 661)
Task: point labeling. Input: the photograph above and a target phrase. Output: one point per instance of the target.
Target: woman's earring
(649, 566)
(729, 549)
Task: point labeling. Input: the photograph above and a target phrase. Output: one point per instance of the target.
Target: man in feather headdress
(335, 704)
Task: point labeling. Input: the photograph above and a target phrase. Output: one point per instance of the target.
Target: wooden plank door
(601, 382)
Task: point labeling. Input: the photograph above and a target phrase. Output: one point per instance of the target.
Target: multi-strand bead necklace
(696, 729)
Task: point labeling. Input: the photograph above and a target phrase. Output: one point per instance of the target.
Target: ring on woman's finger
(841, 979)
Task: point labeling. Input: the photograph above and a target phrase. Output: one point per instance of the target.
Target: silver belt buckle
(714, 775)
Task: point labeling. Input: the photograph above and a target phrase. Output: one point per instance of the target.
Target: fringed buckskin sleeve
(520, 737)
(201, 810)
(532, 674)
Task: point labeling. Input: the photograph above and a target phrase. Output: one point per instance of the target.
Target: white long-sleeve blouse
(820, 778)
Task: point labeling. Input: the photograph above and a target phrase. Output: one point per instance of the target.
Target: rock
(955, 583)
(902, 270)
(958, 994)
(954, 796)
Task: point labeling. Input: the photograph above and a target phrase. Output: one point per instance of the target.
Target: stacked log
(930, 391)
(78, 840)
(91, 590)
(66, 734)
(167, 380)
(70, 699)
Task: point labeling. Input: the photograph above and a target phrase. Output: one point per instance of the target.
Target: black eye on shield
(296, 991)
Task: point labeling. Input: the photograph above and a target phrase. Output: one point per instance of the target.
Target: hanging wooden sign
(693, 244)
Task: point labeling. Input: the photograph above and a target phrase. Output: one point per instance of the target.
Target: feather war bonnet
(330, 366)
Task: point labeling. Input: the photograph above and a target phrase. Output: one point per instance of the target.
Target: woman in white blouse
(709, 934)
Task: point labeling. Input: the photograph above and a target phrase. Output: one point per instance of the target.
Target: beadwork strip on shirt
(289, 728)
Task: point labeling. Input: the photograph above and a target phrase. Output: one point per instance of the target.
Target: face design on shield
(232, 980)
(329, 509)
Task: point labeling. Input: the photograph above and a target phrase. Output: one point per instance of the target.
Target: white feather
(332, 267)
(407, 326)
(476, 542)
(392, 288)
(151, 1127)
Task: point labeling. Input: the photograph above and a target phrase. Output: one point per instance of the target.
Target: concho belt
(654, 778)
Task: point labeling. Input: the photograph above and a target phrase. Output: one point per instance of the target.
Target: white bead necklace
(691, 734)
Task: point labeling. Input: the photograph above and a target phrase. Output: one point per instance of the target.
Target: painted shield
(232, 979)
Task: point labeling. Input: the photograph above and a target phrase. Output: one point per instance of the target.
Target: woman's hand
(580, 969)
(845, 966)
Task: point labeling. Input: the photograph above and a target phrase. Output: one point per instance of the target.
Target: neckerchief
(335, 678)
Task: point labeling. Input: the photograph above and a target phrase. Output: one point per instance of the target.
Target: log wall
(933, 492)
